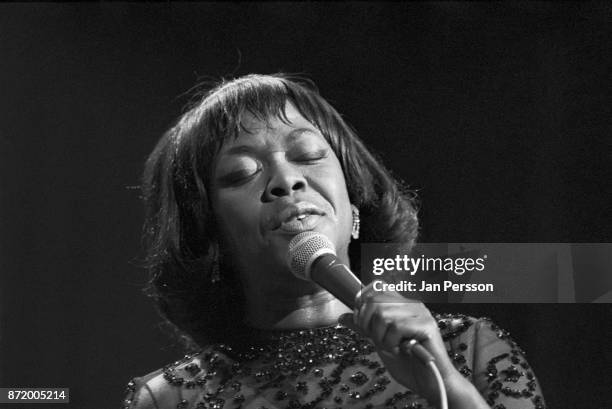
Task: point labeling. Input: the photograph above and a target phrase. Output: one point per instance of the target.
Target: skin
(262, 173)
(257, 176)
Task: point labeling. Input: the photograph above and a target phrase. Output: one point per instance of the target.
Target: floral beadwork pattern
(334, 367)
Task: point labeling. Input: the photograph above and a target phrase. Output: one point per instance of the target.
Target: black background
(498, 114)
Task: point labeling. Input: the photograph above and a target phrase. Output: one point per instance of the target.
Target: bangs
(225, 112)
(255, 96)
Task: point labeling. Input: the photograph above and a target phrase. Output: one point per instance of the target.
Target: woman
(255, 162)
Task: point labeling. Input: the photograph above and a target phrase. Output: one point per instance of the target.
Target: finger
(367, 291)
(405, 328)
(347, 321)
(379, 327)
(386, 355)
(393, 336)
(366, 312)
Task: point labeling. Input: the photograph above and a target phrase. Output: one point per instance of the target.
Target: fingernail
(358, 297)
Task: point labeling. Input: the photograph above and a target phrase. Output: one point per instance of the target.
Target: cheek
(332, 185)
(340, 194)
(236, 214)
(344, 215)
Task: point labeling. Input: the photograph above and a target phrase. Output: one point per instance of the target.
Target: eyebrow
(291, 136)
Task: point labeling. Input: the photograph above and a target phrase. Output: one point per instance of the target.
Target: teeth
(302, 216)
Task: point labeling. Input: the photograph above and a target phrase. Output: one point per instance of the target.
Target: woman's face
(271, 183)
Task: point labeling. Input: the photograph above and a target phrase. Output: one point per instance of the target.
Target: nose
(285, 180)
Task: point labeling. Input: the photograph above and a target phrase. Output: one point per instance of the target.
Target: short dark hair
(180, 231)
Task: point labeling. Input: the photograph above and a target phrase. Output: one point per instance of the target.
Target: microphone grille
(304, 248)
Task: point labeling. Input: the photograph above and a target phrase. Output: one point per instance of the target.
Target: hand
(387, 318)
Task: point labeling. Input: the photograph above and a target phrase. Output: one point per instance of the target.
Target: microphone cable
(413, 347)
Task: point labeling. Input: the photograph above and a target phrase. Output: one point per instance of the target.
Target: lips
(295, 225)
(298, 217)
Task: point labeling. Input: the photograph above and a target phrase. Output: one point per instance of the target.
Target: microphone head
(304, 249)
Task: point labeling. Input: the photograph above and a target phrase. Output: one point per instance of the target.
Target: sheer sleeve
(170, 387)
(138, 396)
(500, 371)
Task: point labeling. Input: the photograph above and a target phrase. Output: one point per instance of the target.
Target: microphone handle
(335, 277)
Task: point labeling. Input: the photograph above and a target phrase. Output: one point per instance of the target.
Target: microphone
(312, 257)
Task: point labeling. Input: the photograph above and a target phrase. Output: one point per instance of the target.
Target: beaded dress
(333, 367)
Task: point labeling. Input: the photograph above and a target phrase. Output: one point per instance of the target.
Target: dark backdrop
(500, 115)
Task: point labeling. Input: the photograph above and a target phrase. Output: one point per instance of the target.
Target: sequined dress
(333, 367)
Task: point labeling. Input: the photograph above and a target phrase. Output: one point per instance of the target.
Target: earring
(356, 222)
(215, 273)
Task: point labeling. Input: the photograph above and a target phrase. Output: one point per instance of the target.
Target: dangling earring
(356, 222)
(215, 273)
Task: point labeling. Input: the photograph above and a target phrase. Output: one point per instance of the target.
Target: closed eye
(238, 177)
(311, 157)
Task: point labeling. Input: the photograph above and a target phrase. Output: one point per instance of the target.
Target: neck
(317, 309)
